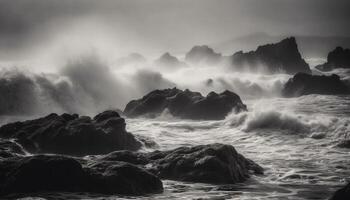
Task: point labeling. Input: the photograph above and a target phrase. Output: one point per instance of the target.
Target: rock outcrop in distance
(72, 135)
(304, 84)
(123, 172)
(203, 55)
(186, 104)
(169, 62)
(338, 58)
(281, 57)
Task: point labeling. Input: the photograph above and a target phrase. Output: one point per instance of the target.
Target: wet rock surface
(186, 104)
(213, 163)
(41, 173)
(72, 134)
(304, 84)
(10, 149)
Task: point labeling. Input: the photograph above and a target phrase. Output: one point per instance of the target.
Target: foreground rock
(304, 84)
(186, 104)
(338, 58)
(342, 194)
(282, 57)
(72, 135)
(63, 174)
(213, 163)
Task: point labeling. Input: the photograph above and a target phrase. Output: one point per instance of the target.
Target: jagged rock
(167, 61)
(342, 194)
(213, 163)
(186, 104)
(304, 84)
(282, 57)
(72, 135)
(338, 58)
(203, 55)
(63, 174)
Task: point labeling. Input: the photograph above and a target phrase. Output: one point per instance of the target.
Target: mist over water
(75, 58)
(89, 83)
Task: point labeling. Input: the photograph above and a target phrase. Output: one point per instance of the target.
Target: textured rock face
(338, 58)
(167, 61)
(72, 135)
(342, 194)
(63, 174)
(304, 84)
(213, 163)
(10, 149)
(203, 55)
(124, 172)
(186, 104)
(282, 57)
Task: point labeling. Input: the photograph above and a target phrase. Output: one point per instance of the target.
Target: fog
(73, 56)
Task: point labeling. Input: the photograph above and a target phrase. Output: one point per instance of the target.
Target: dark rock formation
(344, 144)
(304, 84)
(63, 174)
(167, 61)
(10, 149)
(203, 55)
(282, 57)
(213, 163)
(186, 104)
(342, 194)
(338, 58)
(72, 135)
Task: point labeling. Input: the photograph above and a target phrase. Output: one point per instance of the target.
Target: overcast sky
(150, 26)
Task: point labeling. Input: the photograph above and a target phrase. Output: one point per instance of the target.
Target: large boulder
(338, 58)
(186, 104)
(342, 194)
(63, 174)
(304, 84)
(212, 163)
(169, 62)
(281, 57)
(121, 178)
(203, 55)
(72, 135)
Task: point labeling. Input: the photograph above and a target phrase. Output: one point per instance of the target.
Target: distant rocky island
(338, 58)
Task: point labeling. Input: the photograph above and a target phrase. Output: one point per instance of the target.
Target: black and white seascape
(175, 99)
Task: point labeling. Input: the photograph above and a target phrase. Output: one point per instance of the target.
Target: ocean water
(293, 139)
